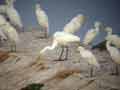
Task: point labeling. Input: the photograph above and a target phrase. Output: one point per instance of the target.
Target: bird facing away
(89, 57)
(92, 33)
(114, 39)
(75, 24)
(42, 19)
(115, 55)
(62, 39)
(10, 32)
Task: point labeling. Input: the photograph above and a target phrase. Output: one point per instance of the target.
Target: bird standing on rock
(89, 57)
(12, 35)
(115, 55)
(10, 32)
(62, 39)
(42, 19)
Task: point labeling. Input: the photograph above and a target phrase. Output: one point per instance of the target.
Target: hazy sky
(62, 11)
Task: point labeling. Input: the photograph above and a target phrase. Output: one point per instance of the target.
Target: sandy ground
(16, 72)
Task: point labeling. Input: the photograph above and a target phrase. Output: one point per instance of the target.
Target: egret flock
(10, 21)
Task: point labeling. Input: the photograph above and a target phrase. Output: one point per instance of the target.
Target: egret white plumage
(113, 38)
(2, 20)
(62, 39)
(10, 2)
(11, 13)
(115, 55)
(75, 24)
(2, 36)
(14, 16)
(92, 33)
(2, 9)
(10, 32)
(89, 57)
(42, 19)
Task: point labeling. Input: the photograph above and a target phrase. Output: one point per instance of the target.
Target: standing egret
(92, 33)
(11, 34)
(89, 57)
(115, 55)
(62, 39)
(75, 24)
(114, 39)
(42, 19)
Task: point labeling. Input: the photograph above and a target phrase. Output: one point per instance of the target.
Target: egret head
(81, 18)
(108, 30)
(97, 24)
(10, 2)
(37, 5)
(80, 49)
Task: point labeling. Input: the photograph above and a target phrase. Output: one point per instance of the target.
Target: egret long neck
(108, 45)
(109, 33)
(49, 47)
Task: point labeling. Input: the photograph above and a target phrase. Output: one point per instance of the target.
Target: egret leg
(116, 70)
(45, 32)
(15, 48)
(60, 57)
(91, 71)
(11, 47)
(66, 56)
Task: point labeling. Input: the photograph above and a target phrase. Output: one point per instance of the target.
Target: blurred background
(61, 12)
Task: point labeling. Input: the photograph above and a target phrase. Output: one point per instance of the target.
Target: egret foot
(59, 60)
(91, 71)
(116, 73)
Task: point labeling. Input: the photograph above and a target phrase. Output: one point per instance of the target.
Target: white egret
(113, 38)
(11, 13)
(89, 57)
(75, 24)
(14, 16)
(62, 39)
(115, 55)
(11, 34)
(92, 33)
(42, 19)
